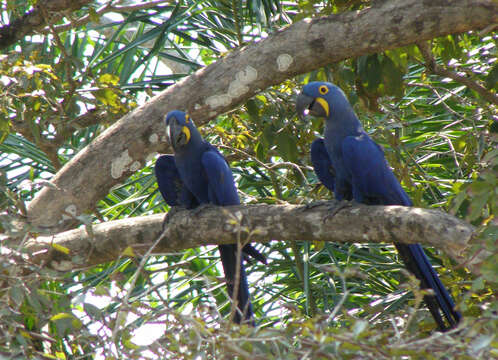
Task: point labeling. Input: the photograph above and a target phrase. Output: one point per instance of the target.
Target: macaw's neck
(341, 124)
(194, 148)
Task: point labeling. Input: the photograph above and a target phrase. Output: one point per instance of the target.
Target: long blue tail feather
(441, 302)
(228, 254)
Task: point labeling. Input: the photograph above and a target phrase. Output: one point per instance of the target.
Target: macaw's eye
(187, 118)
(323, 89)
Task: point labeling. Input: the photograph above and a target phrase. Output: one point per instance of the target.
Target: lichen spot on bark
(71, 209)
(153, 138)
(120, 164)
(70, 212)
(215, 101)
(247, 76)
(284, 61)
(135, 166)
(239, 87)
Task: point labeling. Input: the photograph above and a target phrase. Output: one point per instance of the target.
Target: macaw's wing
(322, 164)
(221, 187)
(170, 184)
(372, 180)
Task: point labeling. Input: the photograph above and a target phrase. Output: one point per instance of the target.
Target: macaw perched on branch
(198, 174)
(349, 163)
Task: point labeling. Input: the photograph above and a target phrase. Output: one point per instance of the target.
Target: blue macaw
(349, 163)
(198, 174)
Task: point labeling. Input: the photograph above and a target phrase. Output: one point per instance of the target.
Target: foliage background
(61, 89)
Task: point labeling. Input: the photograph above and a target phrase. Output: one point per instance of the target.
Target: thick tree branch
(302, 47)
(35, 19)
(261, 223)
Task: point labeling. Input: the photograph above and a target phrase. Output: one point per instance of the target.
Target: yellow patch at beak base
(186, 131)
(324, 104)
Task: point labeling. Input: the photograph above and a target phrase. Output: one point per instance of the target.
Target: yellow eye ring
(323, 89)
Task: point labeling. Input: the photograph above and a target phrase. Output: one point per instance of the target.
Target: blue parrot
(349, 163)
(198, 174)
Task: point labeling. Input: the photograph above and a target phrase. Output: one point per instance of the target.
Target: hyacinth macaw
(349, 163)
(198, 174)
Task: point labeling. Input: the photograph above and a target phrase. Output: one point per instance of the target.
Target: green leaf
(477, 205)
(61, 316)
(17, 294)
(108, 79)
(286, 146)
(253, 110)
(370, 71)
(489, 269)
(392, 77)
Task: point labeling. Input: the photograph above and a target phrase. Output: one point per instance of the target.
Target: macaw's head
(322, 99)
(180, 129)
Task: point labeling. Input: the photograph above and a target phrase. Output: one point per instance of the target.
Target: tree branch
(35, 20)
(433, 67)
(300, 48)
(261, 223)
(107, 8)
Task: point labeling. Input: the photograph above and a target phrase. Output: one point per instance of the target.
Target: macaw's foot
(196, 211)
(172, 211)
(334, 209)
(314, 204)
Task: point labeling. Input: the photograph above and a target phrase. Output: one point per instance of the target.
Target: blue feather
(322, 164)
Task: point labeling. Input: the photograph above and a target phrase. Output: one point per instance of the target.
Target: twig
(432, 66)
(236, 21)
(454, 153)
(238, 259)
(132, 286)
(345, 295)
(103, 10)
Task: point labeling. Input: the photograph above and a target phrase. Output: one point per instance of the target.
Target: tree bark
(300, 48)
(324, 221)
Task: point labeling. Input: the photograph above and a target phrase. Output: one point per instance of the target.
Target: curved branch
(35, 20)
(300, 48)
(353, 223)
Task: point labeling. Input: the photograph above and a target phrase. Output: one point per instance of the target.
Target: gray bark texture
(324, 221)
(302, 47)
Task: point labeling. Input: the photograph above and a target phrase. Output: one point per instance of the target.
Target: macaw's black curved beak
(178, 134)
(307, 105)
(303, 105)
